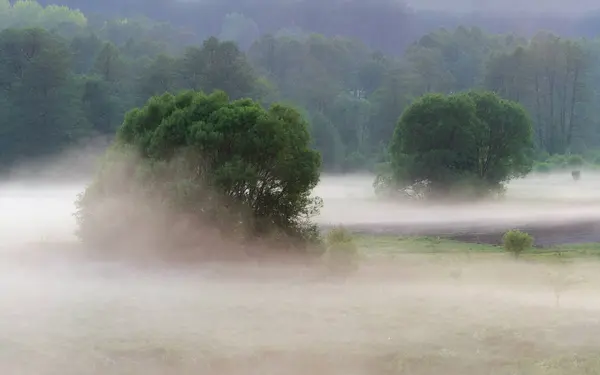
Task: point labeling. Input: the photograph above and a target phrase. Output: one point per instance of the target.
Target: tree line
(66, 78)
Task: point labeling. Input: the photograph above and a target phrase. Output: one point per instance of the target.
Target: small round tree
(470, 142)
(228, 164)
(516, 242)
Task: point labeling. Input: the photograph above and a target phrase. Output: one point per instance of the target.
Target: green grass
(394, 245)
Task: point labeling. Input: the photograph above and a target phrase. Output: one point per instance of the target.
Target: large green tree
(473, 140)
(231, 163)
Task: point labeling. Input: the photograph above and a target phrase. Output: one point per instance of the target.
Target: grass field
(384, 245)
(415, 306)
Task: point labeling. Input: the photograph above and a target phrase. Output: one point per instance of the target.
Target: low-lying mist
(546, 199)
(41, 211)
(63, 314)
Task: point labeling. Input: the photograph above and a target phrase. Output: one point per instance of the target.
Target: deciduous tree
(471, 140)
(232, 163)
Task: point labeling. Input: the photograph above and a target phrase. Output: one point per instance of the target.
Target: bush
(342, 253)
(516, 242)
(542, 168)
(575, 161)
(557, 159)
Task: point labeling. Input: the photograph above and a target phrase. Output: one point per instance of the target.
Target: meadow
(416, 305)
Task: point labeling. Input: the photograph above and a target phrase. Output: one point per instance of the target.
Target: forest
(68, 77)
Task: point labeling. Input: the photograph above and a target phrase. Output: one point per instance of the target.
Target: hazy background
(509, 6)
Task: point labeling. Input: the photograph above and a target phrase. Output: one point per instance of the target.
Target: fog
(33, 212)
(508, 6)
(63, 314)
(537, 199)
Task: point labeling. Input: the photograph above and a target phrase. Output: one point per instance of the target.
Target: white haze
(63, 315)
(548, 199)
(515, 7)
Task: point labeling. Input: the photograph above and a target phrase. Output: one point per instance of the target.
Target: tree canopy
(472, 140)
(231, 164)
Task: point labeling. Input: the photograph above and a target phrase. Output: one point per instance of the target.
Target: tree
(109, 64)
(505, 145)
(471, 140)
(39, 99)
(101, 106)
(29, 13)
(231, 163)
(218, 66)
(547, 76)
(157, 78)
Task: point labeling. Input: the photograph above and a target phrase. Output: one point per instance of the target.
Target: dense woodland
(68, 77)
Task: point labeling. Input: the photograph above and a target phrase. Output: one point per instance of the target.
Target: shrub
(575, 161)
(516, 242)
(557, 159)
(542, 168)
(342, 253)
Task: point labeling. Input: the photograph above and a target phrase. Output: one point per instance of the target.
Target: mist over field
(545, 199)
(43, 211)
(63, 314)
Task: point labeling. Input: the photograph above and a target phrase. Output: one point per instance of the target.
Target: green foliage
(342, 252)
(39, 96)
(351, 93)
(218, 65)
(542, 168)
(472, 139)
(575, 161)
(58, 92)
(28, 13)
(516, 242)
(248, 170)
(564, 163)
